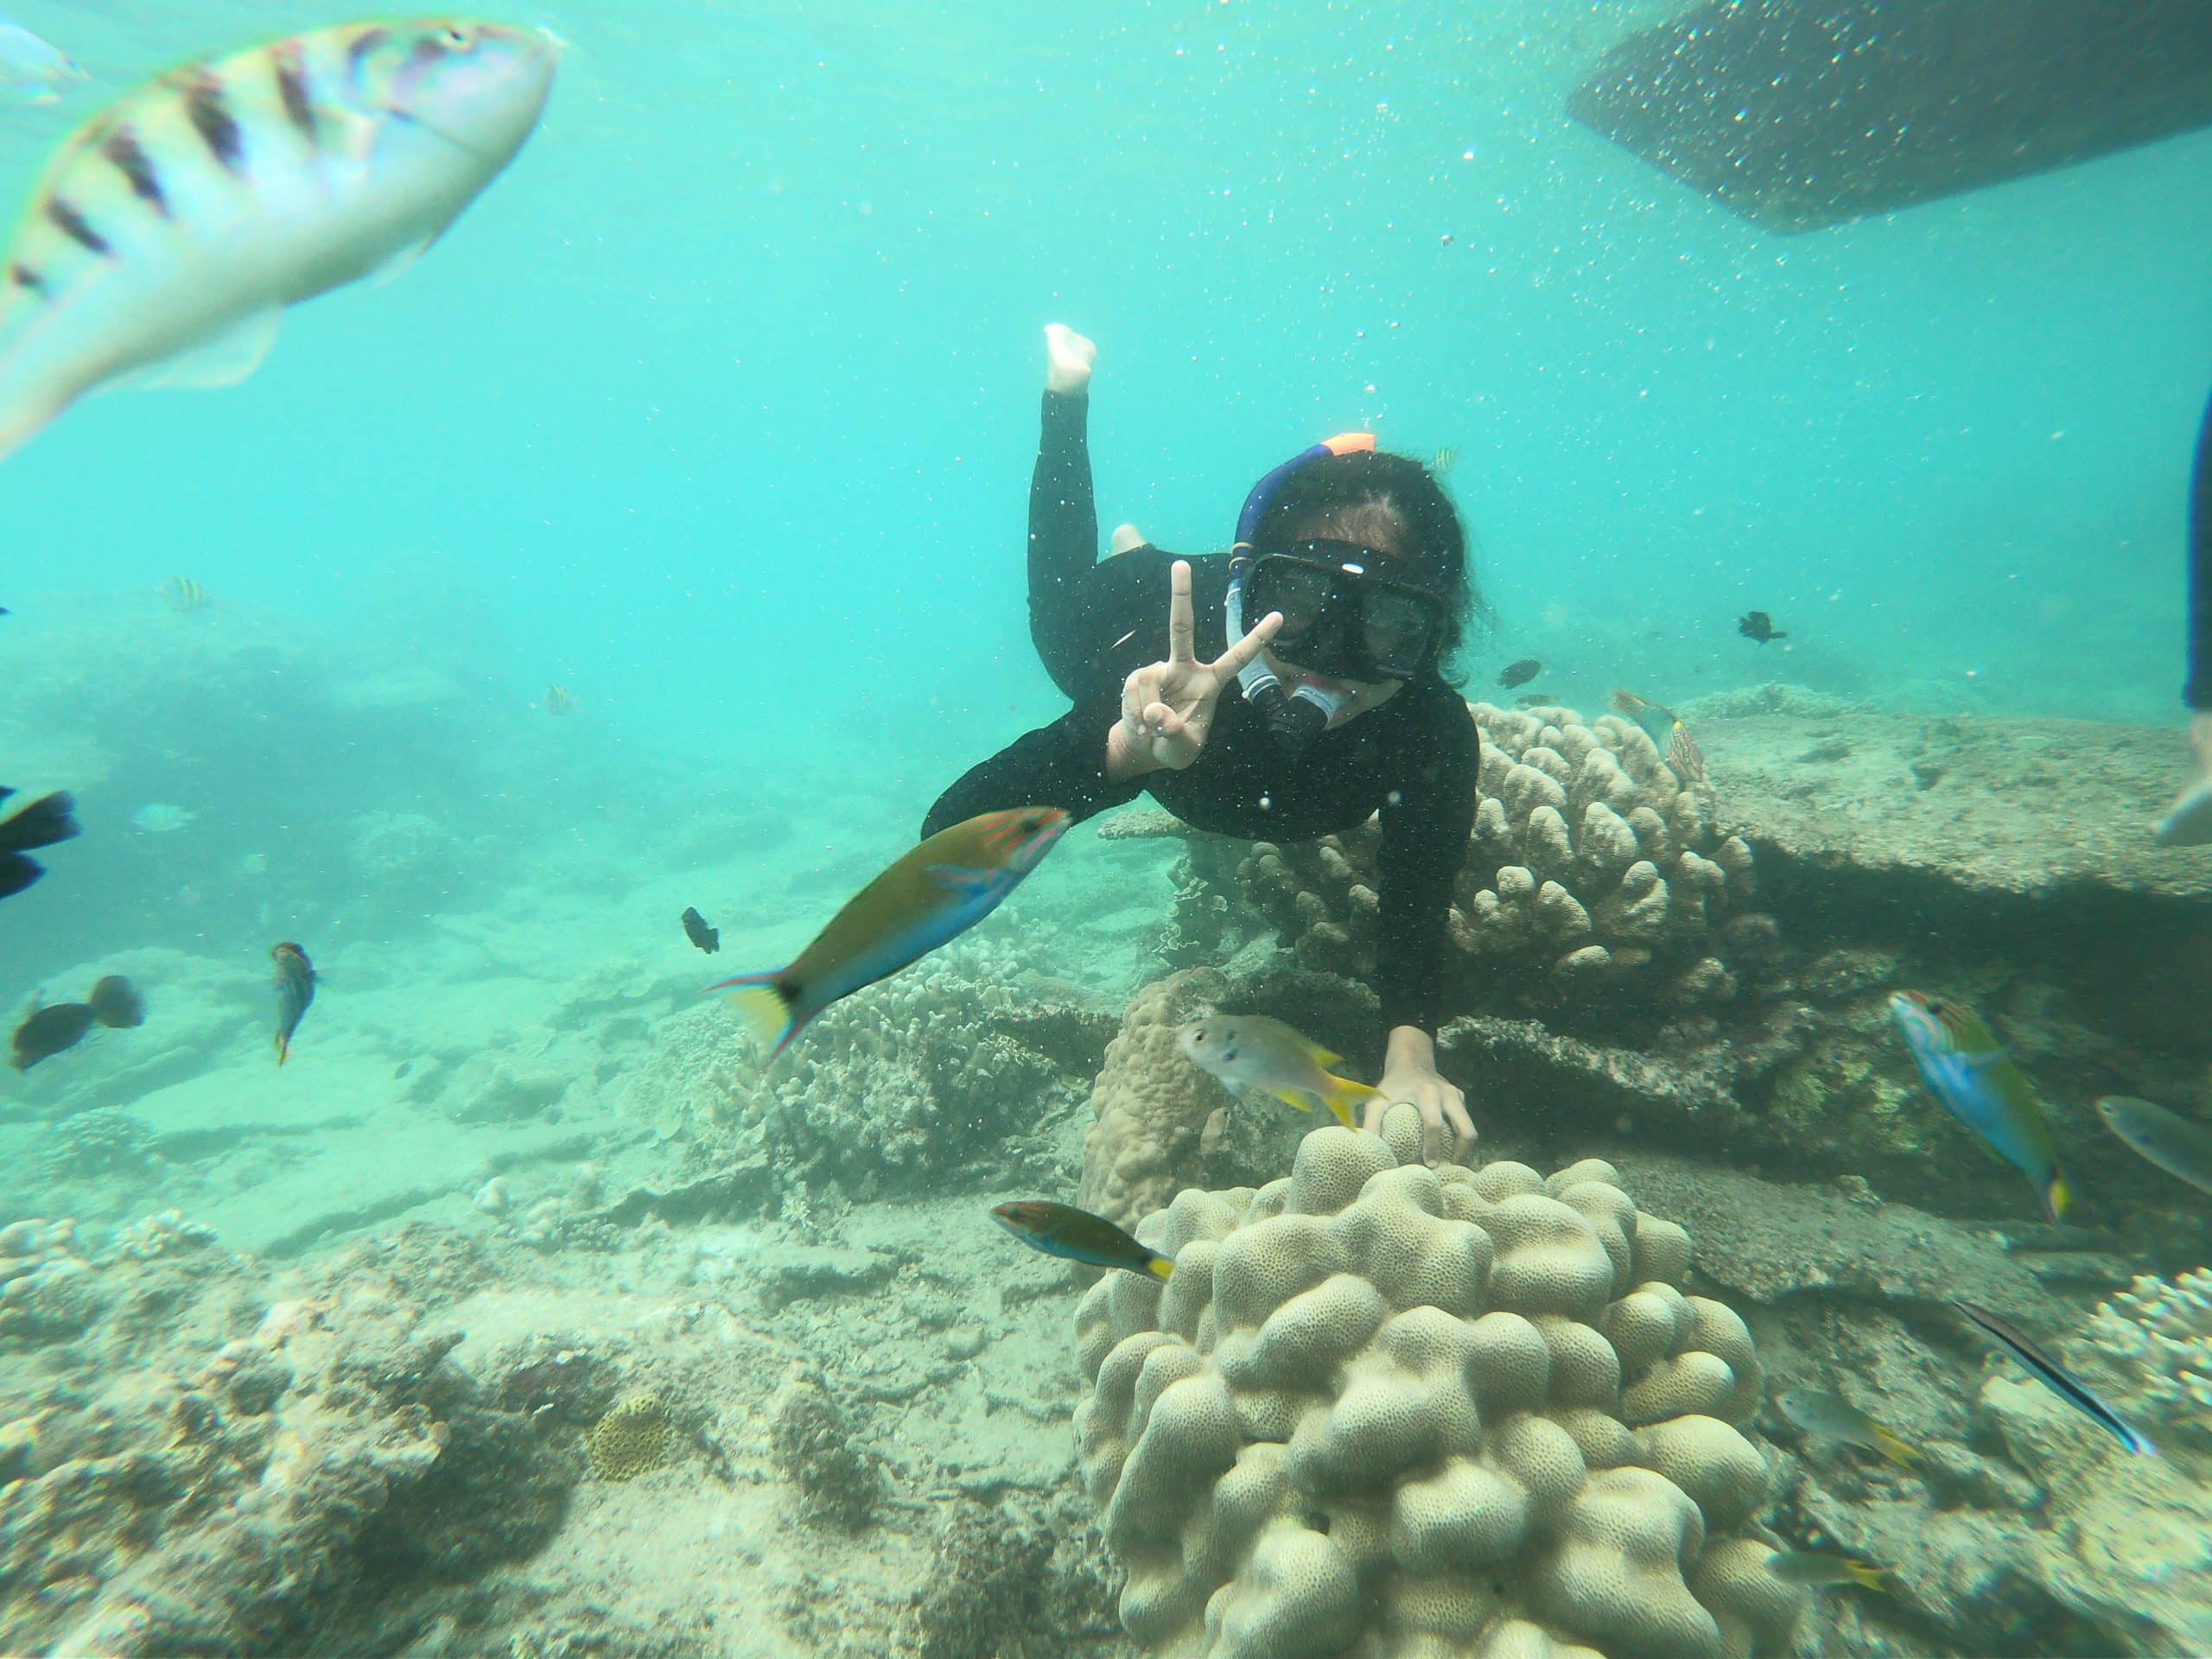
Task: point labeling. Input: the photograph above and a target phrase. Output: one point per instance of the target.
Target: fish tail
(283, 1047)
(1160, 1265)
(768, 1007)
(2057, 1195)
(1342, 1095)
(1896, 1449)
(1874, 1577)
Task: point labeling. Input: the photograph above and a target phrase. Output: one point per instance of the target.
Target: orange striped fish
(936, 893)
(169, 234)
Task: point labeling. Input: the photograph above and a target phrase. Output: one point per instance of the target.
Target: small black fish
(708, 939)
(114, 1002)
(1531, 699)
(41, 823)
(1758, 624)
(1520, 673)
(294, 991)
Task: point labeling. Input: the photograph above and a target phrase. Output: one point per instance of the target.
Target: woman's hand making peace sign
(1167, 708)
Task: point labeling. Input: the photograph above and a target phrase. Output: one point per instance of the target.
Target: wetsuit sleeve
(2197, 694)
(1424, 843)
(1061, 764)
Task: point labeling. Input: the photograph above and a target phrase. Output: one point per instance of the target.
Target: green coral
(630, 1440)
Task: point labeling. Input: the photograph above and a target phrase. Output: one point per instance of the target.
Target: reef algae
(1393, 1410)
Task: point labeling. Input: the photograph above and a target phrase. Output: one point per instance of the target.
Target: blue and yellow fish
(1966, 1068)
(936, 892)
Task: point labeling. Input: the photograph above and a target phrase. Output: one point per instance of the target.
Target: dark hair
(1434, 551)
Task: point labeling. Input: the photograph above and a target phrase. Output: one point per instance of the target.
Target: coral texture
(2158, 1333)
(1590, 864)
(1389, 1410)
(630, 1440)
(889, 1090)
(810, 1441)
(1153, 1111)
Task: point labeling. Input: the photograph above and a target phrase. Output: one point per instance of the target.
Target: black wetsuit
(1412, 758)
(2197, 694)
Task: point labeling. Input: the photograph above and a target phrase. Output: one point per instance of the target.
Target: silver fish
(2180, 1147)
(1834, 1418)
(2059, 1381)
(166, 236)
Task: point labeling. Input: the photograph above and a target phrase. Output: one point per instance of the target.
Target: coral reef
(100, 1142)
(211, 1463)
(1591, 866)
(46, 1289)
(630, 1440)
(1393, 1410)
(810, 1441)
(2158, 1333)
(985, 1572)
(955, 1065)
(1153, 1112)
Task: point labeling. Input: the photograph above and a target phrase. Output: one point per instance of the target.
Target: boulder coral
(1590, 864)
(1386, 1410)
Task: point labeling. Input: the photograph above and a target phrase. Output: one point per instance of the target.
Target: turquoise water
(717, 412)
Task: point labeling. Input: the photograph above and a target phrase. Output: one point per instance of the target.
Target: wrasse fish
(46, 821)
(1665, 728)
(2059, 1381)
(2180, 1147)
(1250, 1050)
(1818, 1568)
(1062, 1229)
(1965, 1067)
(1834, 1418)
(936, 893)
(167, 235)
(296, 979)
(31, 69)
(114, 1002)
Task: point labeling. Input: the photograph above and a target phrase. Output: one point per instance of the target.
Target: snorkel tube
(1294, 718)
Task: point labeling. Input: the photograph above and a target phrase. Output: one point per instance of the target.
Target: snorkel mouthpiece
(1296, 720)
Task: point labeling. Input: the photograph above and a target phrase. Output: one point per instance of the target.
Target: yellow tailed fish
(1832, 1417)
(1818, 1568)
(1075, 1234)
(167, 235)
(940, 890)
(1250, 1050)
(1665, 728)
(1966, 1068)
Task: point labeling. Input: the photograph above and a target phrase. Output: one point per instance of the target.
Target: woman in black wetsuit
(1354, 564)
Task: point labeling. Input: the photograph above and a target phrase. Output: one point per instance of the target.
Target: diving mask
(1340, 618)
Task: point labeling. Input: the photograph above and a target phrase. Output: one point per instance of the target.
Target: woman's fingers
(1233, 660)
(1182, 629)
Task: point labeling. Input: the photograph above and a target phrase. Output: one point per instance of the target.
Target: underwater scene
(1184, 830)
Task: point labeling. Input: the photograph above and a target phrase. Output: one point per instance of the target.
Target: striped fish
(167, 235)
(1663, 726)
(2059, 1381)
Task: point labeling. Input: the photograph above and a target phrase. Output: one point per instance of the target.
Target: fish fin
(1895, 1448)
(1874, 1577)
(1324, 1058)
(1342, 1095)
(356, 133)
(767, 1009)
(1293, 1098)
(283, 1048)
(18, 426)
(1160, 1265)
(225, 360)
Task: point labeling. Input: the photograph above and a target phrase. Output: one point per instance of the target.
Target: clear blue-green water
(717, 411)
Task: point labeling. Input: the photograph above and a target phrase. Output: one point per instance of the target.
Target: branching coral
(1395, 1411)
(2159, 1334)
(1590, 864)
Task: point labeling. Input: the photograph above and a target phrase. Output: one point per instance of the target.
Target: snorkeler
(2189, 822)
(1350, 568)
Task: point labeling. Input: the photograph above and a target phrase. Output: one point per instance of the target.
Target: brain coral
(1384, 1410)
(631, 1440)
(1590, 864)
